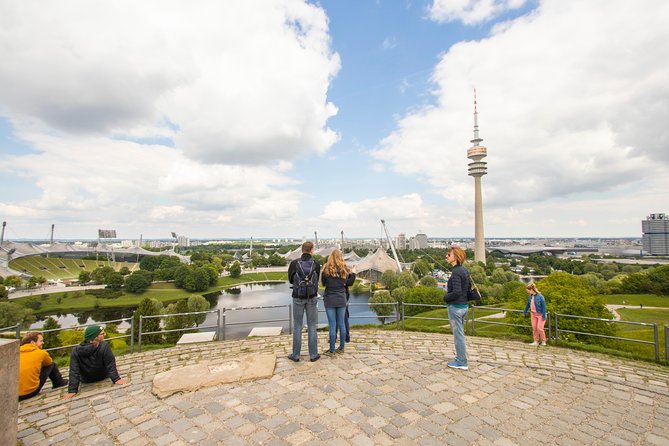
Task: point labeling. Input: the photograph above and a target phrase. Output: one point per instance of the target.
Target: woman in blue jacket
(456, 299)
(336, 277)
(536, 304)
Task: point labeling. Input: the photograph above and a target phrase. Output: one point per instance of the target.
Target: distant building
(183, 241)
(655, 238)
(401, 242)
(418, 242)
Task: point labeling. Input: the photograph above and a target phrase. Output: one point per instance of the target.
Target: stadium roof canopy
(30, 249)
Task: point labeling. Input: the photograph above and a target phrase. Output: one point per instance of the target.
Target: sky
(281, 118)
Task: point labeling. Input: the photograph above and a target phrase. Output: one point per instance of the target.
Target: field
(54, 268)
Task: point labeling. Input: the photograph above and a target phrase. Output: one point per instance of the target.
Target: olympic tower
(477, 168)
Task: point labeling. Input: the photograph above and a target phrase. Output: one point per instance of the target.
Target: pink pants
(538, 327)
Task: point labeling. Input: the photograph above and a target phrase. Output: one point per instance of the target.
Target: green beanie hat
(92, 332)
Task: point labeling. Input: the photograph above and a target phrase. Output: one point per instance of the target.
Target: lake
(239, 322)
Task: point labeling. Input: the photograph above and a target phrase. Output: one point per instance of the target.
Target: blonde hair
(459, 254)
(335, 265)
(532, 287)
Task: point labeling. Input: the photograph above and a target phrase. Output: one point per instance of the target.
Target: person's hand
(68, 396)
(120, 382)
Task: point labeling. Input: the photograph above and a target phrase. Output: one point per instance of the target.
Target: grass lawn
(650, 300)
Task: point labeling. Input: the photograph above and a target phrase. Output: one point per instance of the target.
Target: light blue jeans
(299, 307)
(336, 320)
(456, 317)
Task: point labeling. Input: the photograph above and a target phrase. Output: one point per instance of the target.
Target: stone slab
(9, 389)
(194, 377)
(193, 338)
(265, 331)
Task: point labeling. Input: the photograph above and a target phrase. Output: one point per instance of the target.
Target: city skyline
(231, 121)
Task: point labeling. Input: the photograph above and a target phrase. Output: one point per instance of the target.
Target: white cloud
(230, 82)
(471, 12)
(572, 104)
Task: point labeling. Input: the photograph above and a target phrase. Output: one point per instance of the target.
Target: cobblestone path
(390, 387)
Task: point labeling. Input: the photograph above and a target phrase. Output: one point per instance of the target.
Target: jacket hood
(86, 349)
(28, 348)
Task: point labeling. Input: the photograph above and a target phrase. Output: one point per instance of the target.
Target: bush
(422, 295)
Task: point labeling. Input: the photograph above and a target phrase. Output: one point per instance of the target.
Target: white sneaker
(543, 343)
(535, 343)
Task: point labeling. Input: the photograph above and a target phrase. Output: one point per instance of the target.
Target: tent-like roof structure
(325, 251)
(351, 257)
(294, 254)
(373, 265)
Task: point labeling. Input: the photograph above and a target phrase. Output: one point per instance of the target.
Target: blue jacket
(539, 302)
(457, 286)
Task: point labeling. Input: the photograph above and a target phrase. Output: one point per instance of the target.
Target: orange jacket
(31, 361)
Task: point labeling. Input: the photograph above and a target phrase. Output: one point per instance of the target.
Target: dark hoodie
(89, 363)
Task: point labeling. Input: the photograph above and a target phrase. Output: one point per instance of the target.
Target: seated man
(35, 366)
(92, 361)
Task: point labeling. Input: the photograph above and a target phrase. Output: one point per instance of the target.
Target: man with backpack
(303, 273)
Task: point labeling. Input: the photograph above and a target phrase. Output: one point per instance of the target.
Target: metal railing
(655, 343)
(76, 327)
(16, 328)
(506, 310)
(160, 316)
(261, 307)
(399, 314)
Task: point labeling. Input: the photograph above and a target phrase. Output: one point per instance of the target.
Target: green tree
(428, 281)
(84, 277)
(235, 270)
(13, 281)
(51, 339)
(660, 278)
(11, 314)
(99, 275)
(198, 303)
(421, 268)
(387, 279)
(498, 276)
(114, 281)
(399, 293)
(4, 293)
(176, 322)
(148, 307)
(138, 281)
(384, 304)
(124, 271)
(407, 279)
(477, 273)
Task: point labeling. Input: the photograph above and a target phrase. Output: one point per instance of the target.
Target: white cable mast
(392, 247)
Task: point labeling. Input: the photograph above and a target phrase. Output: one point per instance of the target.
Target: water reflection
(238, 321)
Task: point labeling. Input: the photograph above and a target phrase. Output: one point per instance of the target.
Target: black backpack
(304, 282)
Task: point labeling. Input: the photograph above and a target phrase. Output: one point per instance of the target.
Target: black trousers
(51, 372)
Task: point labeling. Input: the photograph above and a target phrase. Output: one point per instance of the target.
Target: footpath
(389, 387)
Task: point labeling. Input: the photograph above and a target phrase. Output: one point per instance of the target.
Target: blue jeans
(456, 317)
(336, 320)
(299, 307)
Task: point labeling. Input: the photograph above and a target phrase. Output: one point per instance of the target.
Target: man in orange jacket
(35, 366)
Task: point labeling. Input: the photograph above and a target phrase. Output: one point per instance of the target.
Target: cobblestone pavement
(390, 387)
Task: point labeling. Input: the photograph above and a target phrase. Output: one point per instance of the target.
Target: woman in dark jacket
(456, 298)
(335, 278)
